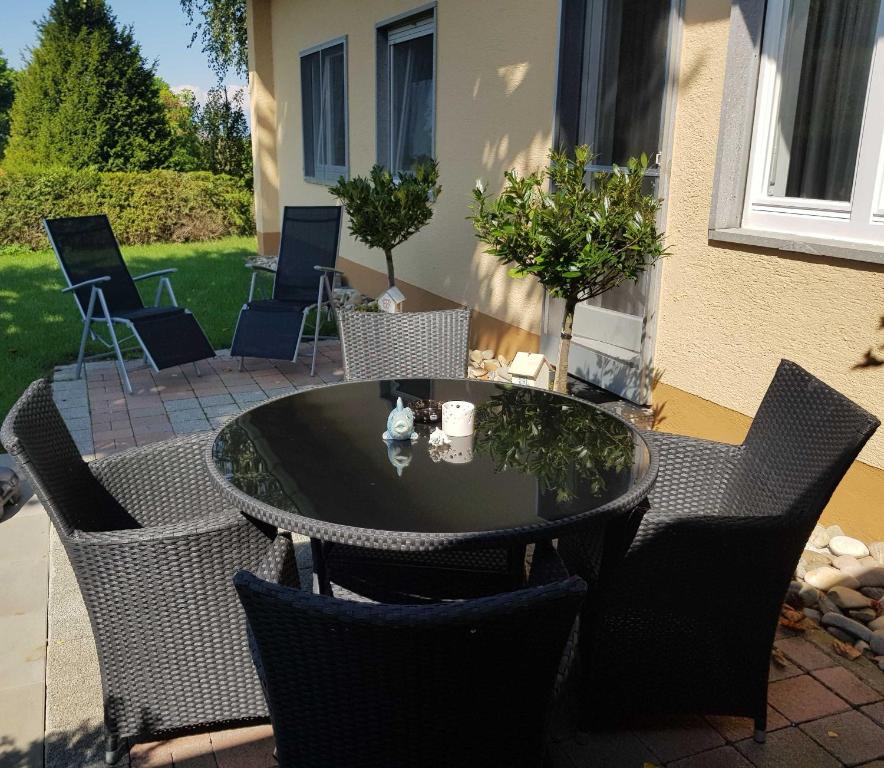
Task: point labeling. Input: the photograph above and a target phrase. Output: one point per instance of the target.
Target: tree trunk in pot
(388, 252)
(561, 381)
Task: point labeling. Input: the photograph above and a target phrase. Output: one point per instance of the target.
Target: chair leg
(300, 336)
(87, 329)
(242, 363)
(197, 369)
(315, 341)
(114, 747)
(760, 734)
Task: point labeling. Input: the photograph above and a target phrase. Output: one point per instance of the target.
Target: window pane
(623, 91)
(411, 117)
(824, 76)
(333, 75)
(310, 109)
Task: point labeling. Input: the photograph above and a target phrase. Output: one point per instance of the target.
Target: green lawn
(40, 327)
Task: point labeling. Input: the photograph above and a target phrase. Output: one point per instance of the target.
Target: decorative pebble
(833, 531)
(808, 596)
(876, 593)
(840, 634)
(845, 545)
(848, 599)
(862, 646)
(847, 563)
(871, 577)
(865, 615)
(810, 560)
(850, 626)
(826, 605)
(876, 640)
(868, 562)
(827, 577)
(819, 538)
(876, 624)
(812, 613)
(876, 550)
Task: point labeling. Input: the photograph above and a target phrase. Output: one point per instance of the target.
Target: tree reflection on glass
(567, 446)
(238, 458)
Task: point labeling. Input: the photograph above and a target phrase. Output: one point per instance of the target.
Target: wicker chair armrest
(692, 470)
(279, 566)
(166, 534)
(162, 482)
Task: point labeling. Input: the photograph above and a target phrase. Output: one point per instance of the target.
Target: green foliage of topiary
(579, 240)
(386, 209)
(147, 207)
(87, 97)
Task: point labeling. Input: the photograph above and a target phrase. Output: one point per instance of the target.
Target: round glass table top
(535, 459)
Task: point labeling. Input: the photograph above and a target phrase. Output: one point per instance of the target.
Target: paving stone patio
(824, 710)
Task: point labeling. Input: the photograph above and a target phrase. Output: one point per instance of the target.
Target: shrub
(143, 207)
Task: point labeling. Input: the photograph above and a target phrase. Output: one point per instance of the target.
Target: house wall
(726, 315)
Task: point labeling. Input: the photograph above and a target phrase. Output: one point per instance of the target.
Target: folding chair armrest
(328, 269)
(157, 273)
(93, 282)
(260, 268)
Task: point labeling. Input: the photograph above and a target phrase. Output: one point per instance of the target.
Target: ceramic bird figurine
(400, 423)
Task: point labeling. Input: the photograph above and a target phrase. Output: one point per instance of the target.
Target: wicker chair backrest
(419, 345)
(803, 439)
(36, 435)
(449, 684)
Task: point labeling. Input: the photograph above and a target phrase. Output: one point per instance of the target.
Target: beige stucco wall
(494, 107)
(728, 315)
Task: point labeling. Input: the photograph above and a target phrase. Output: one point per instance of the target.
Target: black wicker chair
(659, 635)
(436, 686)
(154, 550)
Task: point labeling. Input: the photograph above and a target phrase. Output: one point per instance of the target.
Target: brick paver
(803, 698)
(788, 748)
(803, 653)
(850, 736)
(722, 757)
(847, 685)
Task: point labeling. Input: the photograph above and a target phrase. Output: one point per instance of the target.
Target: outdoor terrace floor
(825, 711)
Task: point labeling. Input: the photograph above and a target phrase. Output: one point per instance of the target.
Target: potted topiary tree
(386, 209)
(578, 240)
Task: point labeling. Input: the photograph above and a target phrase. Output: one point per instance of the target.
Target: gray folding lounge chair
(105, 293)
(469, 683)
(272, 328)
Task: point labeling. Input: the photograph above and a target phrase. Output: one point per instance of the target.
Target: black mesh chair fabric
(270, 328)
(717, 513)
(154, 549)
(173, 338)
(378, 686)
(87, 248)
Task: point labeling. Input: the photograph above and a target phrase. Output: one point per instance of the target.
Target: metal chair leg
(242, 363)
(114, 747)
(110, 327)
(300, 335)
(315, 340)
(87, 330)
(197, 369)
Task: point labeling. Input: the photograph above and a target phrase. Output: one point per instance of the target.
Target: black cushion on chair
(173, 338)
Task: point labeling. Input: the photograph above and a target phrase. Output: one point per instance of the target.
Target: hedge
(143, 207)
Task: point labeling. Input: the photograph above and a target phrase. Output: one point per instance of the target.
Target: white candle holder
(458, 418)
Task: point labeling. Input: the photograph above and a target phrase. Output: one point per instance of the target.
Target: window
(815, 165)
(324, 110)
(406, 92)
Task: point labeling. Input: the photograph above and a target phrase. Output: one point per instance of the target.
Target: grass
(40, 327)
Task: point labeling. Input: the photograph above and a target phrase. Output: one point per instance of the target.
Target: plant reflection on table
(567, 446)
(237, 456)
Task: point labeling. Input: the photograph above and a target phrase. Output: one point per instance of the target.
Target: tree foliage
(224, 134)
(386, 209)
(87, 97)
(220, 25)
(182, 113)
(7, 94)
(578, 240)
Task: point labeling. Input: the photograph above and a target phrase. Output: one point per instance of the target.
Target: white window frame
(325, 173)
(859, 220)
(420, 22)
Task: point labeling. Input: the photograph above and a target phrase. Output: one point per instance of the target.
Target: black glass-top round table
(537, 465)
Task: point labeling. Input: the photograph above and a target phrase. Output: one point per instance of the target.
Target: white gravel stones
(848, 564)
(852, 627)
(871, 577)
(876, 624)
(846, 545)
(819, 538)
(827, 577)
(876, 640)
(876, 550)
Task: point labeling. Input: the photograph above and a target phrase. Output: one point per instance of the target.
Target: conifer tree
(87, 97)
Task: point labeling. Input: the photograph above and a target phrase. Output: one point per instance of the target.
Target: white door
(630, 50)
